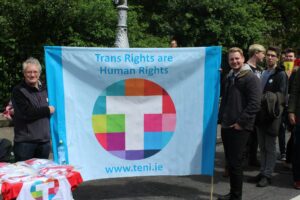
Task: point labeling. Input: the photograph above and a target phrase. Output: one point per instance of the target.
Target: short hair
(236, 49)
(173, 40)
(34, 61)
(255, 48)
(275, 49)
(289, 50)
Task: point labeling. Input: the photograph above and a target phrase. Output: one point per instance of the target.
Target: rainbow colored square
(52, 185)
(134, 119)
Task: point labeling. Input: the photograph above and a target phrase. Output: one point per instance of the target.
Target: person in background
(256, 58)
(290, 56)
(31, 114)
(8, 112)
(274, 83)
(257, 54)
(282, 57)
(239, 105)
(291, 127)
(294, 118)
(173, 43)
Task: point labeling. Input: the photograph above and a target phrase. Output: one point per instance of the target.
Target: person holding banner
(31, 114)
(239, 105)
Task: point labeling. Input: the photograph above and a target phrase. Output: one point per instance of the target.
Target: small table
(38, 178)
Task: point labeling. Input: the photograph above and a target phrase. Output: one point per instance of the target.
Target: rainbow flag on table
(135, 112)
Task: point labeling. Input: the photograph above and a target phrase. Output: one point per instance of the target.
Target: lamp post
(121, 37)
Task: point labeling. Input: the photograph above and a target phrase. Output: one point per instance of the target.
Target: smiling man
(239, 105)
(31, 117)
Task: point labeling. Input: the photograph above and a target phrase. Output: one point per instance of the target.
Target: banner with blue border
(135, 112)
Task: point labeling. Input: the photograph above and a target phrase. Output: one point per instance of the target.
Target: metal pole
(121, 37)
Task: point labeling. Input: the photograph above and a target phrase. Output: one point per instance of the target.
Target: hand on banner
(52, 109)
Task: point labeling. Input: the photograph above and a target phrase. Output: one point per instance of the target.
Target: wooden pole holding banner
(212, 177)
(212, 188)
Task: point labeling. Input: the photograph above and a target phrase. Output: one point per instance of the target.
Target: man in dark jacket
(256, 57)
(294, 118)
(274, 83)
(290, 56)
(31, 115)
(239, 105)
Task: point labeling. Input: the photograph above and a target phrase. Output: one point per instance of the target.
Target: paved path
(184, 187)
(187, 187)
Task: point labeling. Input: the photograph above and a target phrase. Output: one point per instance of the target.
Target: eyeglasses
(271, 55)
(31, 72)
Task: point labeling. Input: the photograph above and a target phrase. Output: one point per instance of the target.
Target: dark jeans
(296, 154)
(289, 147)
(27, 150)
(252, 146)
(282, 131)
(281, 139)
(234, 142)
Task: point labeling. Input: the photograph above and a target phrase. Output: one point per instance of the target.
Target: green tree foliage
(284, 18)
(138, 30)
(29, 25)
(207, 22)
